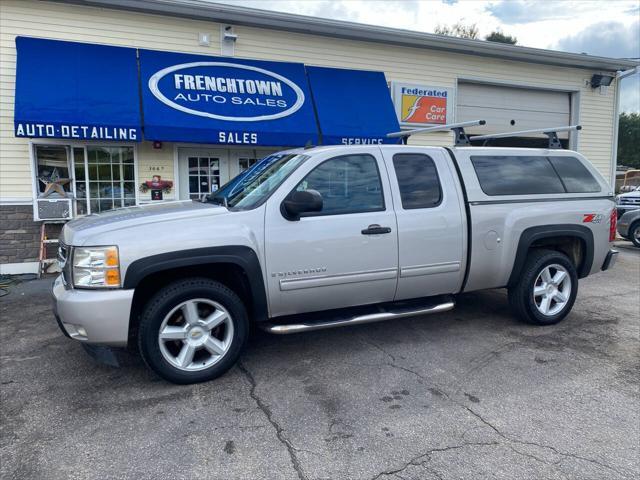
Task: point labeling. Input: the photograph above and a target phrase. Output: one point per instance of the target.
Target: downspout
(616, 124)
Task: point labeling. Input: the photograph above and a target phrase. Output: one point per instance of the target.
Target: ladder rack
(552, 133)
(457, 128)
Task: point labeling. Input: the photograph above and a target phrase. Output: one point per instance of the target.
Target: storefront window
(80, 184)
(99, 178)
(52, 168)
(110, 171)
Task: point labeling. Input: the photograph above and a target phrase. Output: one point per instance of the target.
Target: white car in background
(628, 201)
(629, 226)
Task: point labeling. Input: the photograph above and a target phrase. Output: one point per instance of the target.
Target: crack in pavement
(415, 461)
(375, 345)
(524, 454)
(427, 381)
(540, 445)
(279, 430)
(488, 424)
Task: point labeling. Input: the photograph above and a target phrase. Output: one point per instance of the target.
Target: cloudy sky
(608, 28)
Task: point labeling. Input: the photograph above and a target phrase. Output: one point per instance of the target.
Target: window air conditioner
(53, 209)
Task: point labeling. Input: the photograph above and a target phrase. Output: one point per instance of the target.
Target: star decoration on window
(53, 183)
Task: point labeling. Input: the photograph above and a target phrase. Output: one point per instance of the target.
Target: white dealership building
(113, 103)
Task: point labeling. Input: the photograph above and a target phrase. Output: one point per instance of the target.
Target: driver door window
(348, 184)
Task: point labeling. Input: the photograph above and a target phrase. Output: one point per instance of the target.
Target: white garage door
(500, 106)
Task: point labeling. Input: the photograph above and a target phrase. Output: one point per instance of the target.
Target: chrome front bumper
(93, 316)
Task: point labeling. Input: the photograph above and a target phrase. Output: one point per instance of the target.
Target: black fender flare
(533, 234)
(240, 255)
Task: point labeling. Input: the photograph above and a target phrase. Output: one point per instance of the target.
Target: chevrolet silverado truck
(331, 236)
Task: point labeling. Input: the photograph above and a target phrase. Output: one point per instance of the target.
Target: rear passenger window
(418, 180)
(574, 175)
(509, 175)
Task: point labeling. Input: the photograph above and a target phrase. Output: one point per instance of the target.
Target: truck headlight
(96, 267)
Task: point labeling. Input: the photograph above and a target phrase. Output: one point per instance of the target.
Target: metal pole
(436, 128)
(526, 132)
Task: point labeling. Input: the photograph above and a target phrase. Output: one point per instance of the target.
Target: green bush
(629, 140)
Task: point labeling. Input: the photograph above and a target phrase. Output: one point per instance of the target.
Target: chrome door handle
(375, 229)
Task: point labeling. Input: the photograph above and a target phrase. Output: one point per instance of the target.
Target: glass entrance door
(202, 171)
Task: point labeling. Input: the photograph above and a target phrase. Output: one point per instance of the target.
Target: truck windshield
(255, 185)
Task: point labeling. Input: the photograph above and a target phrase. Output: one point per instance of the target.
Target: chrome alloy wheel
(552, 289)
(636, 235)
(195, 334)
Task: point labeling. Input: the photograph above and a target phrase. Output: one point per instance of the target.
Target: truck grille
(629, 201)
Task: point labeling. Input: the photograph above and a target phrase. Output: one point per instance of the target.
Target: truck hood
(78, 231)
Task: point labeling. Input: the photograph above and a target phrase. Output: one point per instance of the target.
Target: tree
(629, 139)
(458, 30)
(498, 36)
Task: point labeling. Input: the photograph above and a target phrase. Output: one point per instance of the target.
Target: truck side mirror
(299, 202)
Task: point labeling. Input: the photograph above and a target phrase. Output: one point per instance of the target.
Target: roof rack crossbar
(552, 133)
(457, 128)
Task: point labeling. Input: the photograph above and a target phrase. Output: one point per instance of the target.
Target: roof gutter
(252, 17)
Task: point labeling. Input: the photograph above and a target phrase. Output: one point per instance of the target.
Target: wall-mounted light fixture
(599, 80)
(228, 39)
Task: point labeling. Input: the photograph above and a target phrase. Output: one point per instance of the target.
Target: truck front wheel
(192, 330)
(547, 288)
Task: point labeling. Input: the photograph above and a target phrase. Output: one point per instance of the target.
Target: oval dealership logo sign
(226, 91)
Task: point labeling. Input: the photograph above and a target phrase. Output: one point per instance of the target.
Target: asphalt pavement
(469, 394)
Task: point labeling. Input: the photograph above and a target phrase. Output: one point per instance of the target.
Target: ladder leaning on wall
(44, 261)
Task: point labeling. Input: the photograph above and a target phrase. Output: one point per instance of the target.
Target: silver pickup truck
(331, 236)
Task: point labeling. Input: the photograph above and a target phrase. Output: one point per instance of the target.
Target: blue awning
(195, 98)
(353, 106)
(94, 92)
(76, 91)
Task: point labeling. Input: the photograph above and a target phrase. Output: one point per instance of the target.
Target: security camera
(229, 35)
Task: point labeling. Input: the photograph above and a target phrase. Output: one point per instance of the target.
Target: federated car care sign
(226, 101)
(423, 105)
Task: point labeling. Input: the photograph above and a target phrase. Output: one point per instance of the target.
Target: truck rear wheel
(192, 330)
(547, 288)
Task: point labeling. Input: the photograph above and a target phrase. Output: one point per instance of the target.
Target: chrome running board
(389, 314)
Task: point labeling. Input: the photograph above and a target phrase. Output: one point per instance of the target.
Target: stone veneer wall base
(20, 238)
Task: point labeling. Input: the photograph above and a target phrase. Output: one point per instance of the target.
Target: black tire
(521, 295)
(167, 299)
(633, 233)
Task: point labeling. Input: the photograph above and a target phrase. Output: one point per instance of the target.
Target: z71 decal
(592, 217)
